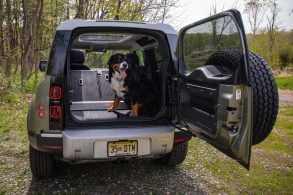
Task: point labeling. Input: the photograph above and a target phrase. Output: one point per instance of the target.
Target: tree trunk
(25, 42)
(17, 35)
(2, 52)
(118, 7)
(11, 42)
(164, 11)
(80, 9)
(67, 9)
(38, 41)
(28, 32)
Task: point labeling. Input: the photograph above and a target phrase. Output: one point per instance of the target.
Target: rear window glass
(100, 59)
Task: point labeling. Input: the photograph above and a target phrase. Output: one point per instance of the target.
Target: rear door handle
(80, 82)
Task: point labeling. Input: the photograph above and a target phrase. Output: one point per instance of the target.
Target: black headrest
(132, 59)
(76, 57)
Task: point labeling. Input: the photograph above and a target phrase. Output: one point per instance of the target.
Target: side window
(140, 57)
(158, 57)
(153, 59)
(95, 59)
(201, 41)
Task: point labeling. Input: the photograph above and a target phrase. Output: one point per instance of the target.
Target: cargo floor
(94, 115)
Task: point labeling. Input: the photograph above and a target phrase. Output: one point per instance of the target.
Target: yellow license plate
(122, 148)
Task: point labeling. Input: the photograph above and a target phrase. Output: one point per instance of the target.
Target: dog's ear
(111, 60)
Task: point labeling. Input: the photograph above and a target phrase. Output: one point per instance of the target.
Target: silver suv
(209, 86)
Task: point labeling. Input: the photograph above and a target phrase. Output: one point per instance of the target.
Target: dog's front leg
(115, 104)
(135, 109)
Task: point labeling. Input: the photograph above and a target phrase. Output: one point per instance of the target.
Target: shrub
(286, 56)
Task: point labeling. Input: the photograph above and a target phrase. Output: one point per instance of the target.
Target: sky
(190, 11)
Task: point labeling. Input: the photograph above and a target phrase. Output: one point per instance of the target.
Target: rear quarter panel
(35, 123)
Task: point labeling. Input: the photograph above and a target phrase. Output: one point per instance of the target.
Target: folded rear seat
(89, 89)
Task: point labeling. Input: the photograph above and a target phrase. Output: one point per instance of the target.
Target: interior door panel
(215, 102)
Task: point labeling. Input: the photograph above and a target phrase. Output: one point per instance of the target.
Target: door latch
(80, 82)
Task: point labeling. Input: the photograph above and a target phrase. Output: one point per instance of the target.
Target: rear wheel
(176, 156)
(41, 163)
(265, 92)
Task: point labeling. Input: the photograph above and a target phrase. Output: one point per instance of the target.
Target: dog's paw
(133, 114)
(111, 109)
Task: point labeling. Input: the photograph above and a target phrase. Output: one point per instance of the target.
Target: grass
(13, 135)
(285, 82)
(271, 166)
(14, 177)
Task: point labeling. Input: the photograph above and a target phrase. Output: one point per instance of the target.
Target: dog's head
(118, 66)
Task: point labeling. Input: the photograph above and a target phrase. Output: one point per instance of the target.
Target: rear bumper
(91, 144)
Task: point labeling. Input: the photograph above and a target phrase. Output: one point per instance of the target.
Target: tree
(27, 27)
(2, 53)
(30, 13)
(255, 10)
(272, 22)
(219, 25)
(11, 41)
(81, 8)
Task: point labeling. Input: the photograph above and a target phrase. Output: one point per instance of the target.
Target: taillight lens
(55, 93)
(181, 139)
(41, 113)
(55, 112)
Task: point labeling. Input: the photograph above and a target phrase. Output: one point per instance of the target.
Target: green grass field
(285, 82)
(271, 167)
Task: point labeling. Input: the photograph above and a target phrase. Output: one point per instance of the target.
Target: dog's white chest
(117, 86)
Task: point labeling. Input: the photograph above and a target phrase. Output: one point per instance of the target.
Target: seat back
(76, 60)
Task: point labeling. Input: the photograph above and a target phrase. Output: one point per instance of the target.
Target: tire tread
(176, 156)
(265, 92)
(41, 163)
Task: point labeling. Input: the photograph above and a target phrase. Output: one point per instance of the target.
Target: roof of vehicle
(77, 23)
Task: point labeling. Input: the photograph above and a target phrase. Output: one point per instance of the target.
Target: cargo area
(90, 92)
(91, 95)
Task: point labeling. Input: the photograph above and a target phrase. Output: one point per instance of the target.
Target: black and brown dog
(133, 84)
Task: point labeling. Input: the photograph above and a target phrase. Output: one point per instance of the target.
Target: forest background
(27, 29)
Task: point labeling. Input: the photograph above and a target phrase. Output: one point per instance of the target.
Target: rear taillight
(53, 147)
(55, 93)
(41, 112)
(56, 104)
(181, 139)
(55, 112)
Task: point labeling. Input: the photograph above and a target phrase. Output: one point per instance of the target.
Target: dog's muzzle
(122, 69)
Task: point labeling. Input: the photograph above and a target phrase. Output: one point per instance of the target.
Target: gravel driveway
(141, 176)
(132, 177)
(285, 96)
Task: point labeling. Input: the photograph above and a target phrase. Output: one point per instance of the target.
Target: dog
(117, 74)
(133, 84)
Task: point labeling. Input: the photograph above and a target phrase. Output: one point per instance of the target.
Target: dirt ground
(205, 170)
(285, 96)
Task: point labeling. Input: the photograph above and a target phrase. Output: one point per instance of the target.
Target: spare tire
(265, 92)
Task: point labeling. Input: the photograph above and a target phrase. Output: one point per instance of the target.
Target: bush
(286, 56)
(14, 83)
